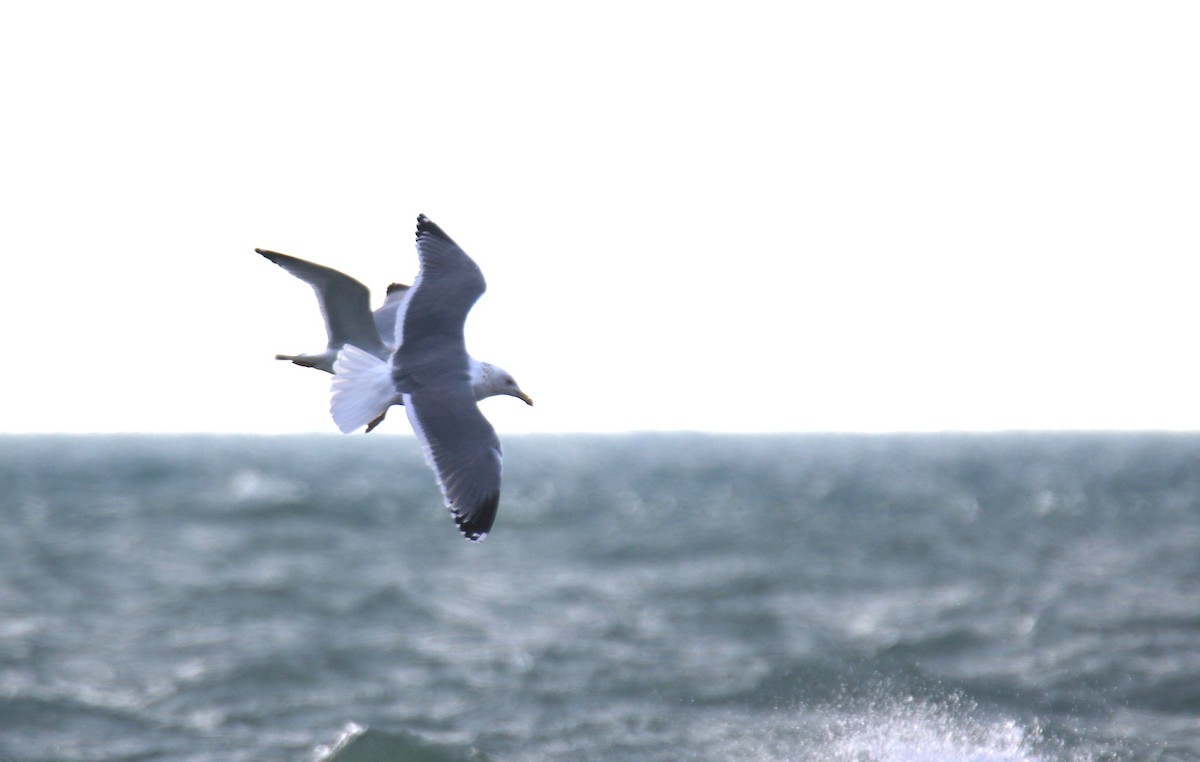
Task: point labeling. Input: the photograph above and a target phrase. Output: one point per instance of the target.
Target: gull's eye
(509, 380)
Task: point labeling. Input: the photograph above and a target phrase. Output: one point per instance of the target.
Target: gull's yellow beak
(522, 396)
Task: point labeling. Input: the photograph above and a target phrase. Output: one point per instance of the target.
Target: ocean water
(656, 597)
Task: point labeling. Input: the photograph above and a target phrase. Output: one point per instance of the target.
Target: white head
(489, 380)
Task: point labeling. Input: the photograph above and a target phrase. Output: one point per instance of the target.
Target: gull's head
(489, 380)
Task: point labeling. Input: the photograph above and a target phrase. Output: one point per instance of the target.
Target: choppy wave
(356, 743)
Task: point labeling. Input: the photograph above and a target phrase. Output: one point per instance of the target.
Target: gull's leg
(376, 422)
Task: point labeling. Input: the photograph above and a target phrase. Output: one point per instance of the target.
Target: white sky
(856, 216)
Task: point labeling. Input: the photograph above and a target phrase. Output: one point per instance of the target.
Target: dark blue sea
(982, 598)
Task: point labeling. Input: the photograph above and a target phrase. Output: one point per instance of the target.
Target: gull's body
(431, 374)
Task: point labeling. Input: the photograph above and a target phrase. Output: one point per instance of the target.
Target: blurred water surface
(647, 597)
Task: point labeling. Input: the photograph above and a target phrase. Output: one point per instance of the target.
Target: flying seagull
(345, 305)
(431, 374)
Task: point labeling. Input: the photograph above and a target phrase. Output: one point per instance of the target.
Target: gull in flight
(346, 306)
(421, 364)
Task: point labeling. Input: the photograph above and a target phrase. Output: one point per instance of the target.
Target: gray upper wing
(448, 285)
(345, 303)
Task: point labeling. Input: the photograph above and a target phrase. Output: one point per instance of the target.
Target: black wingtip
(426, 226)
(475, 527)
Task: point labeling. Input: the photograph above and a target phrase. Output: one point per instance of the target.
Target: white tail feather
(362, 388)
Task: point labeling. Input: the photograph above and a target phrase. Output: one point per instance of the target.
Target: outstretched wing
(464, 452)
(447, 286)
(345, 303)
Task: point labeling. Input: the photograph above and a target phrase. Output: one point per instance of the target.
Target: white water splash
(351, 731)
(886, 729)
(916, 731)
